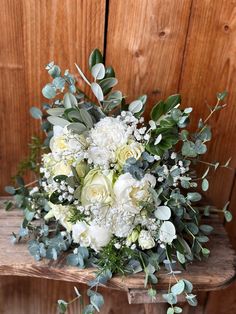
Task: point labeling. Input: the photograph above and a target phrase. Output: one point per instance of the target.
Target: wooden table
(15, 261)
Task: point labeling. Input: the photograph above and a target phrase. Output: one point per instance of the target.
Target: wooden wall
(158, 47)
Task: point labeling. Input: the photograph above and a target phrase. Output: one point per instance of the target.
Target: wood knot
(226, 28)
(162, 34)
(137, 53)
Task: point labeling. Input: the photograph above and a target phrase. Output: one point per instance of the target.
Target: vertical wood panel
(145, 44)
(209, 66)
(34, 33)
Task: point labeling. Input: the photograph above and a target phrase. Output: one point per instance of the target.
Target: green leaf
(86, 117)
(10, 190)
(49, 91)
(171, 102)
(228, 215)
(188, 149)
(177, 309)
(62, 306)
(135, 106)
(58, 121)
(72, 260)
(194, 196)
(205, 185)
(157, 111)
(206, 229)
(97, 300)
(98, 71)
(191, 299)
(69, 100)
(107, 84)
(163, 213)
(53, 70)
(170, 310)
(59, 82)
(36, 113)
(152, 293)
(55, 111)
(222, 95)
(77, 127)
(205, 251)
(188, 286)
(97, 90)
(89, 309)
(181, 257)
(178, 288)
(110, 72)
(95, 57)
(170, 298)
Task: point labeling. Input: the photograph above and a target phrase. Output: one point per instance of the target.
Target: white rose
(131, 150)
(97, 188)
(167, 232)
(92, 235)
(145, 240)
(128, 189)
(109, 133)
(61, 213)
(61, 168)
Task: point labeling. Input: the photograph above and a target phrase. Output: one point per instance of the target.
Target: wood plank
(38, 32)
(145, 44)
(15, 260)
(209, 67)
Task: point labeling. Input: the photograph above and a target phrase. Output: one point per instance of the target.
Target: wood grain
(209, 67)
(145, 44)
(15, 260)
(34, 33)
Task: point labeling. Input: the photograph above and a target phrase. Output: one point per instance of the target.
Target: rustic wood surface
(158, 47)
(210, 274)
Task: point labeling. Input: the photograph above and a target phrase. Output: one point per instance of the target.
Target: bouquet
(114, 190)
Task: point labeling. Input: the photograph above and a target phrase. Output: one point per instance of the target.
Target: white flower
(100, 156)
(133, 149)
(91, 235)
(61, 213)
(109, 133)
(145, 240)
(61, 168)
(167, 232)
(97, 188)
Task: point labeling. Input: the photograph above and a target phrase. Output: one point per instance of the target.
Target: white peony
(92, 235)
(167, 232)
(109, 133)
(146, 240)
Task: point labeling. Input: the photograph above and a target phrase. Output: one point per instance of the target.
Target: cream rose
(146, 240)
(61, 168)
(133, 149)
(97, 188)
(90, 235)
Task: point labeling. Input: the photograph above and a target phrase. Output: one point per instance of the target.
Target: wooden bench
(216, 272)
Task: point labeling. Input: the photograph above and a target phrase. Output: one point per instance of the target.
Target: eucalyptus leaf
(77, 127)
(178, 288)
(69, 100)
(86, 118)
(135, 106)
(205, 184)
(58, 121)
(49, 91)
(36, 113)
(163, 213)
(59, 82)
(55, 111)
